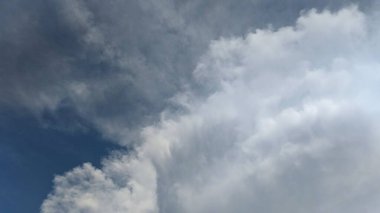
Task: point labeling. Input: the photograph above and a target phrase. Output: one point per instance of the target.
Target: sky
(189, 106)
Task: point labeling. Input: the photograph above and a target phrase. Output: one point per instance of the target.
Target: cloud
(92, 58)
(115, 65)
(106, 191)
(289, 124)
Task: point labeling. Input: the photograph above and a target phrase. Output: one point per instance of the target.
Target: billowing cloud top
(289, 124)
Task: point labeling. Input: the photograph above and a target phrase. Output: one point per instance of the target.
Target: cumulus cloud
(289, 125)
(114, 64)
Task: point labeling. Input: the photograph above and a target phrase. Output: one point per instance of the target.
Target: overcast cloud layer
(283, 119)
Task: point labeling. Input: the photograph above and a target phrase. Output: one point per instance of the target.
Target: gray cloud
(289, 124)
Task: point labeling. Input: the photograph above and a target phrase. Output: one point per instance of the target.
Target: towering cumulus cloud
(289, 124)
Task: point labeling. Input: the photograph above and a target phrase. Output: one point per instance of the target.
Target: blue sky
(189, 106)
(32, 155)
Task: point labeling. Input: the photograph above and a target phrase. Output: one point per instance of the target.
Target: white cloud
(87, 189)
(289, 126)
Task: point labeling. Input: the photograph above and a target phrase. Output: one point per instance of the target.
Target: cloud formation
(289, 124)
(113, 65)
